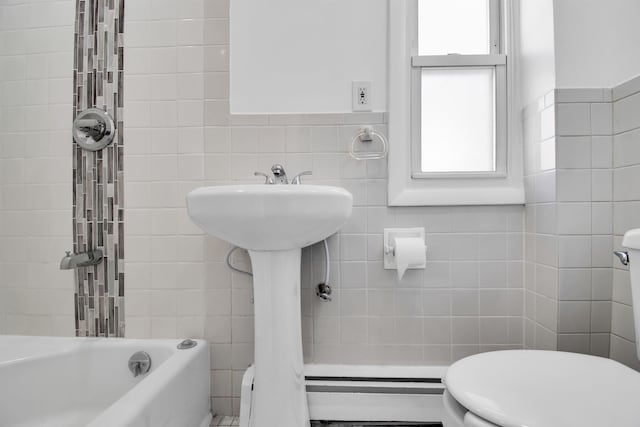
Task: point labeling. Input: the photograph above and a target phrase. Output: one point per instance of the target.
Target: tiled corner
(626, 163)
(571, 226)
(542, 153)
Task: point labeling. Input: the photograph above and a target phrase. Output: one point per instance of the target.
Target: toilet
(534, 388)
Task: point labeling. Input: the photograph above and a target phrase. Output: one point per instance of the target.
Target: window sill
(457, 196)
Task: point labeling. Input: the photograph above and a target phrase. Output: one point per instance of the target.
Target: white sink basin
(270, 217)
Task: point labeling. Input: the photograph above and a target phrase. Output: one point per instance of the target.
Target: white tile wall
(584, 219)
(180, 136)
(626, 213)
(575, 222)
(568, 258)
(542, 149)
(36, 62)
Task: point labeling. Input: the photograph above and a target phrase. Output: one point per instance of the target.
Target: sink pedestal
(279, 394)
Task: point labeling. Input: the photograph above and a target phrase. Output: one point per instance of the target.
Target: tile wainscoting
(581, 154)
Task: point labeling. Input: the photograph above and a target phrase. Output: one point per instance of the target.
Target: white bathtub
(74, 382)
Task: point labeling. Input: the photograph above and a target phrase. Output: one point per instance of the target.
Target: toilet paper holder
(390, 235)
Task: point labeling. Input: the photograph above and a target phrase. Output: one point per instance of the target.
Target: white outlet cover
(361, 96)
(390, 235)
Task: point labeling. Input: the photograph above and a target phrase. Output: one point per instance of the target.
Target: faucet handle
(267, 178)
(297, 180)
(622, 256)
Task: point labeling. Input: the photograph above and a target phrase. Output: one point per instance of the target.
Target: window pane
(453, 26)
(458, 120)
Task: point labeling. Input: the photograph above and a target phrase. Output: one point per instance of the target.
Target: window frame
(408, 185)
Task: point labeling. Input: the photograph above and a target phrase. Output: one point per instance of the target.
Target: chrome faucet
(623, 256)
(280, 176)
(83, 259)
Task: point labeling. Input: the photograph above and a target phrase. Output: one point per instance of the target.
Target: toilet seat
(455, 415)
(532, 388)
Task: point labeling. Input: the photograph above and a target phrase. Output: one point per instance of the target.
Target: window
(448, 105)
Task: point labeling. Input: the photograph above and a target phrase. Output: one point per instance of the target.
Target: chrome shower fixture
(83, 259)
(93, 129)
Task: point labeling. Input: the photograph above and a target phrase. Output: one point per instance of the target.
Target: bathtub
(86, 382)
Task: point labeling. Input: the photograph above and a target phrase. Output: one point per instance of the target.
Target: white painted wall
(300, 56)
(536, 49)
(577, 44)
(286, 62)
(596, 42)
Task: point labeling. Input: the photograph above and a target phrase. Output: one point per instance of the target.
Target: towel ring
(367, 134)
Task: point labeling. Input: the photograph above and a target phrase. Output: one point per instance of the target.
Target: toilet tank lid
(631, 239)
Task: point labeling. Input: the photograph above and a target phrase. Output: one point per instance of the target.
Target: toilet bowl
(531, 388)
(534, 388)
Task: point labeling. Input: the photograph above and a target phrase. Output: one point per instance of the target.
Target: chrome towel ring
(366, 135)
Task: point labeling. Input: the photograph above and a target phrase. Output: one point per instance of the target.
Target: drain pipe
(323, 290)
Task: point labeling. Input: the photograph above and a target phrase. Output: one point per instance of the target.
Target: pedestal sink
(274, 222)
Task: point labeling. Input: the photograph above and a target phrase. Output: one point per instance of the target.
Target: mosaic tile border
(98, 187)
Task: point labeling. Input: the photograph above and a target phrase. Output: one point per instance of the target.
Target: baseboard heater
(367, 395)
(370, 424)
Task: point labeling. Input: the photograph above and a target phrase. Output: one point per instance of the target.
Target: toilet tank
(631, 242)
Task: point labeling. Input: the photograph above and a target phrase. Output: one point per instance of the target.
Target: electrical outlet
(361, 96)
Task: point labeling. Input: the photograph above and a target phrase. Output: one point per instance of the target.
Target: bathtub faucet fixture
(83, 259)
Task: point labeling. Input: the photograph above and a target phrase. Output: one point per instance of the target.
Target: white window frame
(408, 186)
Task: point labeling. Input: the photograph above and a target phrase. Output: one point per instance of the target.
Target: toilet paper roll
(410, 252)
